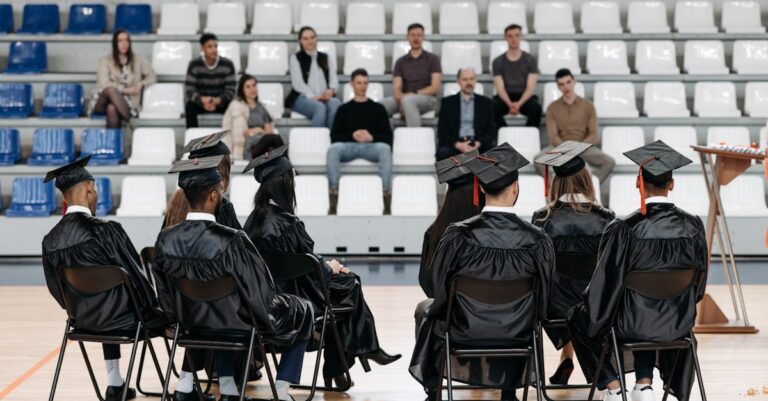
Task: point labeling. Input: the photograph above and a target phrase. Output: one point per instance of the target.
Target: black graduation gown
(492, 245)
(79, 239)
(225, 214)
(424, 274)
(205, 250)
(667, 237)
(572, 233)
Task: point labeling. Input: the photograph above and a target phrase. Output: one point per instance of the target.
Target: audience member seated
(314, 82)
(573, 118)
(466, 120)
(361, 131)
(247, 118)
(515, 75)
(415, 80)
(210, 83)
(120, 78)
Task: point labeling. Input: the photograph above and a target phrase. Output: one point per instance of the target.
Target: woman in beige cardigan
(247, 118)
(120, 77)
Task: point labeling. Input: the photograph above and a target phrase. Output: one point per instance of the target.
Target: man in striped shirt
(210, 82)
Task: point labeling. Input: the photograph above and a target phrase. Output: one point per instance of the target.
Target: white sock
(613, 392)
(227, 386)
(186, 380)
(640, 387)
(113, 373)
(282, 389)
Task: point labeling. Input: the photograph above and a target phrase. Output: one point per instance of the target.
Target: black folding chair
(190, 334)
(86, 281)
(287, 269)
(492, 292)
(658, 285)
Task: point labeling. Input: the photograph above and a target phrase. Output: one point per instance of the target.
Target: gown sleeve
(423, 266)
(702, 259)
(546, 270)
(247, 266)
(124, 254)
(50, 280)
(443, 267)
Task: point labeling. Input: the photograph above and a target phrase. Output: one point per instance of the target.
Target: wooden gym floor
(31, 325)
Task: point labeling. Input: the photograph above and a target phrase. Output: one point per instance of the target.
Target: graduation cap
(265, 144)
(71, 174)
(453, 170)
(497, 168)
(270, 164)
(209, 145)
(198, 172)
(657, 161)
(564, 159)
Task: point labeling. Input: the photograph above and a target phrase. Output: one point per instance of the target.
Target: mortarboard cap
(270, 164)
(497, 168)
(453, 170)
(266, 144)
(657, 161)
(71, 174)
(564, 159)
(209, 145)
(198, 172)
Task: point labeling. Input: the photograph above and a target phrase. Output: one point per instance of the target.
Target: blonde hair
(177, 209)
(579, 183)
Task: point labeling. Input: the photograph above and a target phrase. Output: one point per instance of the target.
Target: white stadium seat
(551, 93)
(456, 55)
(375, 91)
(267, 58)
(270, 17)
(322, 16)
(360, 195)
(142, 196)
(401, 48)
(503, 13)
(413, 146)
(414, 195)
(744, 196)
(525, 140)
(617, 140)
(615, 99)
(153, 147)
(452, 88)
(647, 17)
(694, 16)
(309, 146)
(690, 194)
(553, 17)
(741, 17)
(326, 46)
(459, 18)
(715, 99)
(162, 101)
(557, 54)
(607, 57)
(226, 18)
(171, 58)
(736, 136)
(498, 47)
(750, 56)
(624, 198)
(596, 186)
(404, 14)
(763, 140)
(312, 195)
(756, 99)
(231, 50)
(271, 96)
(194, 133)
(704, 57)
(368, 55)
(679, 138)
(656, 57)
(531, 197)
(665, 99)
(242, 189)
(179, 19)
(600, 17)
(365, 19)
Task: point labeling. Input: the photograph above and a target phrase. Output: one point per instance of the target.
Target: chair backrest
(287, 268)
(242, 190)
(62, 100)
(360, 195)
(737, 136)
(493, 292)
(680, 138)
(6, 18)
(171, 58)
(413, 146)
(694, 16)
(665, 99)
(147, 256)
(40, 19)
(179, 19)
(404, 14)
(624, 197)
(272, 17)
(375, 91)
(52, 146)
(460, 54)
(134, 18)
(104, 189)
(744, 196)
(206, 291)
(552, 93)
(142, 195)
(756, 99)
(576, 265)
(368, 55)
(503, 13)
(741, 17)
(153, 147)
(365, 19)
(715, 99)
(704, 57)
(531, 196)
(401, 48)
(600, 17)
(231, 50)
(309, 146)
(553, 17)
(661, 285)
(617, 140)
(656, 57)
(88, 19)
(647, 17)
(554, 55)
(525, 140)
(267, 58)
(459, 18)
(10, 146)
(615, 99)
(104, 144)
(311, 195)
(414, 195)
(31, 197)
(607, 57)
(750, 56)
(27, 57)
(16, 100)
(163, 101)
(271, 96)
(226, 18)
(690, 193)
(322, 16)
(81, 282)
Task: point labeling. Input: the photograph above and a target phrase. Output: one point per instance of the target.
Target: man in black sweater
(361, 130)
(210, 82)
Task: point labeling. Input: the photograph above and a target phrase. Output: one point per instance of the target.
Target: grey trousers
(420, 314)
(413, 107)
(602, 163)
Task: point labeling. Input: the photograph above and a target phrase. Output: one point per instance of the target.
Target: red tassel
(475, 192)
(546, 182)
(63, 207)
(643, 210)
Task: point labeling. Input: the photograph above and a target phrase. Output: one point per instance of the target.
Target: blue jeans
(342, 152)
(644, 364)
(289, 369)
(321, 113)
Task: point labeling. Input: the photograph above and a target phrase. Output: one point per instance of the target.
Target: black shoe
(341, 382)
(563, 372)
(246, 398)
(508, 395)
(115, 393)
(192, 396)
(380, 357)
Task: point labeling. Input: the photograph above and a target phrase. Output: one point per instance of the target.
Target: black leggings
(112, 103)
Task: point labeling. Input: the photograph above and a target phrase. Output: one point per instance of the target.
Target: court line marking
(29, 373)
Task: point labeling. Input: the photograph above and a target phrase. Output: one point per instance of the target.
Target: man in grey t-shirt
(515, 75)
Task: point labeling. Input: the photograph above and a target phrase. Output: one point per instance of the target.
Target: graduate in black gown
(274, 229)
(658, 237)
(495, 245)
(80, 239)
(575, 222)
(202, 249)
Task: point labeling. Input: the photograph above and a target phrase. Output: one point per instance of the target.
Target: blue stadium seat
(52, 147)
(87, 19)
(134, 18)
(10, 146)
(40, 19)
(16, 100)
(104, 189)
(62, 101)
(32, 198)
(6, 18)
(105, 144)
(27, 58)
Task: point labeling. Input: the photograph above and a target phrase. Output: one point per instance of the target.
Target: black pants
(192, 110)
(531, 109)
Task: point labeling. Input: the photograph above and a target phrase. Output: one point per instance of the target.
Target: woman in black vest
(314, 82)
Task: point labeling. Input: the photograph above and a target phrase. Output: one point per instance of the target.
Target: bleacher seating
(694, 16)
(312, 195)
(366, 19)
(704, 57)
(404, 14)
(62, 101)
(134, 18)
(459, 18)
(153, 147)
(226, 18)
(738, 136)
(267, 58)
(368, 55)
(105, 145)
(552, 93)
(750, 56)
(52, 147)
(194, 133)
(6, 18)
(322, 16)
(104, 189)
(375, 92)
(272, 18)
(499, 47)
(617, 140)
(40, 19)
(600, 17)
(553, 17)
(756, 99)
(623, 197)
(242, 189)
(744, 196)
(309, 146)
(271, 96)
(360, 195)
(615, 99)
(524, 139)
(656, 57)
(414, 195)
(556, 54)
(741, 17)
(87, 19)
(503, 13)
(715, 99)
(179, 19)
(460, 54)
(690, 194)
(10, 146)
(27, 58)
(16, 100)
(531, 197)
(163, 101)
(665, 99)
(231, 50)
(607, 57)
(171, 58)
(142, 196)
(679, 138)
(647, 17)
(413, 146)
(31, 198)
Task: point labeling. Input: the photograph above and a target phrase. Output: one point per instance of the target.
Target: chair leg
(90, 371)
(536, 363)
(449, 370)
(316, 371)
(619, 365)
(192, 367)
(141, 369)
(263, 353)
(671, 375)
(155, 361)
(599, 366)
(247, 364)
(528, 364)
(59, 362)
(694, 351)
(339, 349)
(170, 368)
(136, 339)
(168, 350)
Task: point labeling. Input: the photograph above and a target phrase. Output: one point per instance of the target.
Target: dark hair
(579, 183)
(511, 27)
(177, 209)
(301, 32)
(225, 167)
(494, 192)
(241, 84)
(457, 206)
(358, 72)
(196, 196)
(278, 189)
(267, 143)
(204, 38)
(116, 52)
(563, 72)
(414, 26)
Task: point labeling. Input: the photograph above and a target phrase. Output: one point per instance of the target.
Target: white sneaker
(611, 396)
(643, 394)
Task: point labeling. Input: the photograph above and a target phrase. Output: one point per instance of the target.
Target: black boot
(380, 357)
(508, 395)
(563, 372)
(115, 393)
(192, 396)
